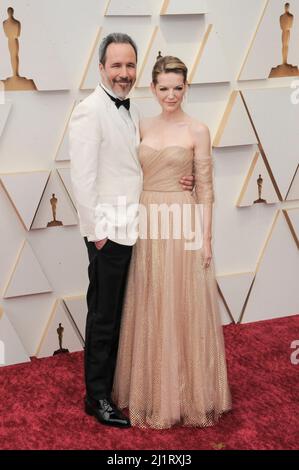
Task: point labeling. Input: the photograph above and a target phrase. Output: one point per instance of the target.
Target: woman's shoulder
(200, 132)
(198, 127)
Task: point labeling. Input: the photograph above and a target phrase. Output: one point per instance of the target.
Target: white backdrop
(43, 270)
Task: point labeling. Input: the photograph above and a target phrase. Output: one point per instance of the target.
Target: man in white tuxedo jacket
(106, 176)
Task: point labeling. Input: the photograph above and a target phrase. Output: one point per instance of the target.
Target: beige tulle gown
(171, 366)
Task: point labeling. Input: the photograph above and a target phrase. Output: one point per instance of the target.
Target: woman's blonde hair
(169, 64)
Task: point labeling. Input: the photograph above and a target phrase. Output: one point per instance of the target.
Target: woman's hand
(207, 253)
(100, 243)
(187, 182)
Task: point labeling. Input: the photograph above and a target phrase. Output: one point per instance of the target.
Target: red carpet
(41, 402)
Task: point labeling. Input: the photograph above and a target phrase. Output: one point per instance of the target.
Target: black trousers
(107, 271)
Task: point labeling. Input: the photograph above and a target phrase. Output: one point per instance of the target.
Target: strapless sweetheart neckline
(165, 148)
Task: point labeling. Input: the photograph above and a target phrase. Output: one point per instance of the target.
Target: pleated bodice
(163, 169)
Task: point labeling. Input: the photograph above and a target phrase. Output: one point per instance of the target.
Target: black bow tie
(118, 102)
(125, 103)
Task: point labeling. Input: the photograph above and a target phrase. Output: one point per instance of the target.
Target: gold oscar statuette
(285, 69)
(61, 350)
(260, 186)
(12, 30)
(54, 222)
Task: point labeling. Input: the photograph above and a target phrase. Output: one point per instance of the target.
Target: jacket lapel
(135, 118)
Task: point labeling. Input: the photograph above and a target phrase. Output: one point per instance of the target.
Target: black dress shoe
(106, 413)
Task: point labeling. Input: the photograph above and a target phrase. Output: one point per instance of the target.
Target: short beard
(129, 86)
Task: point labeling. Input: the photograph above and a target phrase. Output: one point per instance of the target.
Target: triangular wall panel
(56, 208)
(63, 148)
(12, 350)
(4, 113)
(275, 289)
(211, 65)
(293, 193)
(50, 340)
(257, 177)
(292, 217)
(25, 191)
(129, 8)
(268, 39)
(225, 316)
(181, 42)
(235, 288)
(186, 7)
(235, 127)
(65, 176)
(91, 73)
(52, 42)
(275, 120)
(27, 277)
(77, 309)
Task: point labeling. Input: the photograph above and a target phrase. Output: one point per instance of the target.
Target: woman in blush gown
(171, 367)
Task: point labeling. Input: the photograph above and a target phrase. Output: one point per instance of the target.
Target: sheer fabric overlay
(171, 367)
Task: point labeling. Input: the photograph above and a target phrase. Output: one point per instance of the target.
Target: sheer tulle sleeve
(203, 170)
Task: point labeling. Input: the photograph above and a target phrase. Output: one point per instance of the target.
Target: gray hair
(115, 38)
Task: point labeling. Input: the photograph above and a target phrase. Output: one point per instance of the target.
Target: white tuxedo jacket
(105, 171)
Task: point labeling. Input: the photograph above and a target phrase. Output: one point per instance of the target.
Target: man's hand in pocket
(100, 243)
